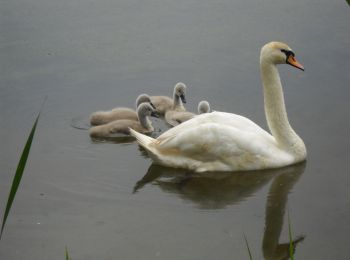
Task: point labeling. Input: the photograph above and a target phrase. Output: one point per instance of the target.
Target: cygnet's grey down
(164, 103)
(104, 117)
(174, 117)
(203, 107)
(121, 127)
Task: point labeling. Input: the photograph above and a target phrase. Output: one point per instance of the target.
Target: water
(104, 200)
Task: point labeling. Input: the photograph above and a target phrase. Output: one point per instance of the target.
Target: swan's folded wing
(210, 142)
(211, 145)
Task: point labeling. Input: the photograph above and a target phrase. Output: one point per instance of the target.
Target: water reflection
(276, 202)
(218, 190)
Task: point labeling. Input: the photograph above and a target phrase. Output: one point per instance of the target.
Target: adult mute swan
(220, 141)
(164, 103)
(175, 117)
(104, 117)
(121, 127)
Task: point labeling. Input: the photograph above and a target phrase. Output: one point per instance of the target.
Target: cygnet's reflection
(216, 190)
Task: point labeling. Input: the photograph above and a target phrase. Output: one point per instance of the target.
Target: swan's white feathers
(215, 141)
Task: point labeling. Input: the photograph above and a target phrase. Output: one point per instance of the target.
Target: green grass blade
(291, 244)
(19, 172)
(246, 242)
(348, 1)
(67, 256)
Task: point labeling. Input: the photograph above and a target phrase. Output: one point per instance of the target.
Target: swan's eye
(288, 53)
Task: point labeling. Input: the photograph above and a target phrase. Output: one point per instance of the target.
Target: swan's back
(116, 128)
(162, 103)
(221, 118)
(174, 117)
(104, 117)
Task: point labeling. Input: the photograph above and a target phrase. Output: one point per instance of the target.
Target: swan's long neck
(177, 102)
(144, 121)
(275, 111)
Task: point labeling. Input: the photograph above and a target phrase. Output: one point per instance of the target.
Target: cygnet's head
(203, 107)
(143, 98)
(180, 91)
(279, 53)
(145, 109)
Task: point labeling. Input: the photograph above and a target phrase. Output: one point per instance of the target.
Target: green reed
(291, 244)
(246, 242)
(67, 255)
(19, 172)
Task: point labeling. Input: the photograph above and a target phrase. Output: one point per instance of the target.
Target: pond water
(105, 200)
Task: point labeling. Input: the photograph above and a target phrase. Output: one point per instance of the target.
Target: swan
(121, 127)
(164, 103)
(174, 117)
(104, 117)
(220, 141)
(203, 107)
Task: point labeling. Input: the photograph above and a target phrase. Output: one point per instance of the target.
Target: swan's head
(143, 98)
(279, 53)
(203, 107)
(145, 109)
(180, 91)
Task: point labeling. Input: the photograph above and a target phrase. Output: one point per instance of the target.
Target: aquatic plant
(291, 244)
(67, 255)
(19, 172)
(246, 242)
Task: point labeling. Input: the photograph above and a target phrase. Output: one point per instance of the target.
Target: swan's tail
(142, 139)
(148, 143)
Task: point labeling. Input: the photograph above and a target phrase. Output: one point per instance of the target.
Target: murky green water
(104, 200)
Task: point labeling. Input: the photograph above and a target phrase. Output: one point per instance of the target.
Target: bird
(164, 103)
(221, 141)
(174, 117)
(104, 117)
(203, 107)
(121, 127)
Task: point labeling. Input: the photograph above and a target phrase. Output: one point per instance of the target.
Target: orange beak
(292, 61)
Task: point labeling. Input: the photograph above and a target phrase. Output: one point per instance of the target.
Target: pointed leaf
(18, 175)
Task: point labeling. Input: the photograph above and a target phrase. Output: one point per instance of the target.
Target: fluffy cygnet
(164, 103)
(174, 117)
(104, 117)
(203, 107)
(121, 127)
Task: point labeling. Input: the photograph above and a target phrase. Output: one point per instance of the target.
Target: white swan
(121, 127)
(221, 141)
(175, 117)
(104, 117)
(164, 103)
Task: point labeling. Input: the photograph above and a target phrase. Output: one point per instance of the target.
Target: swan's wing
(212, 141)
(222, 118)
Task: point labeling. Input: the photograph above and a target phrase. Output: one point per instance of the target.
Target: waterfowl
(104, 117)
(203, 107)
(174, 117)
(121, 127)
(164, 103)
(220, 141)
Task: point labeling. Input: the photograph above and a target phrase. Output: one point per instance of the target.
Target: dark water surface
(104, 200)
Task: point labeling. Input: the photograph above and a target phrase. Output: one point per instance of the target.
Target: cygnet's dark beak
(183, 99)
(154, 114)
(152, 105)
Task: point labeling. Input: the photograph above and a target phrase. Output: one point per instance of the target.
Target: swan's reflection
(217, 190)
